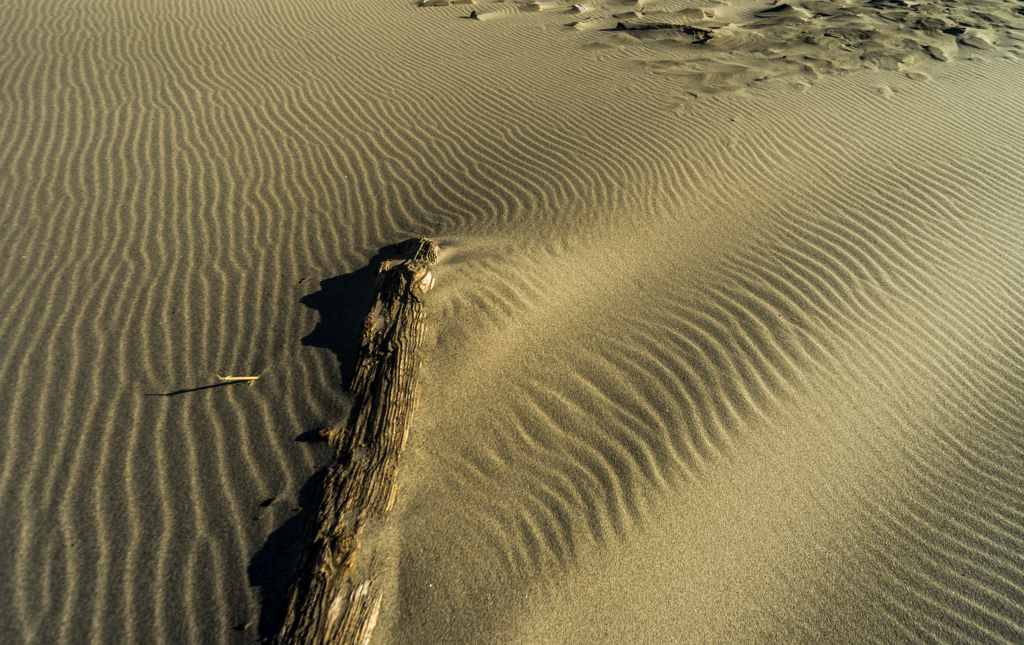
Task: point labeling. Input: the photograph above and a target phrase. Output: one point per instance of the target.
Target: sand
(725, 343)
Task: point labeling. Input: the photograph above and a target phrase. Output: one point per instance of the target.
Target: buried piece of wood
(331, 598)
(632, 25)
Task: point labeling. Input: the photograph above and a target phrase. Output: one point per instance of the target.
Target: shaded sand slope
(852, 353)
(639, 293)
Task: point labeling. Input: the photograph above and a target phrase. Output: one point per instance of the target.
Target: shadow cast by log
(342, 302)
(271, 567)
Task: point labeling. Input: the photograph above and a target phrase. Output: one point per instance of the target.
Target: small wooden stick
(251, 379)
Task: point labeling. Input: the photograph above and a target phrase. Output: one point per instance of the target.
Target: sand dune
(725, 340)
(844, 321)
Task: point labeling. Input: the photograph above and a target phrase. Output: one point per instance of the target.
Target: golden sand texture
(725, 341)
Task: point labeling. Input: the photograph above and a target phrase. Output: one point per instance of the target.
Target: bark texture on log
(633, 25)
(330, 598)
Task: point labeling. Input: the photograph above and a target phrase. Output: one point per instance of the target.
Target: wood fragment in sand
(251, 379)
(331, 599)
(632, 25)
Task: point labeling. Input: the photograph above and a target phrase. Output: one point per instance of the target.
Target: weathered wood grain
(633, 25)
(331, 598)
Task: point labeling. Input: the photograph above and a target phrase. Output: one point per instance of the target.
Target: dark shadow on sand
(196, 389)
(342, 302)
(272, 566)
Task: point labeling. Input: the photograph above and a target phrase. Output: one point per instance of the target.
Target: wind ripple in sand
(177, 178)
(173, 176)
(899, 300)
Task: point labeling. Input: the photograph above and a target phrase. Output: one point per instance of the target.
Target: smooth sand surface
(725, 343)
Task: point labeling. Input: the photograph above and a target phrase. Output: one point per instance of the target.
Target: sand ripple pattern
(174, 174)
(178, 176)
(902, 296)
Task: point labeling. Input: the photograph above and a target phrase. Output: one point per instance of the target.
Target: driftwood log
(633, 25)
(332, 598)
